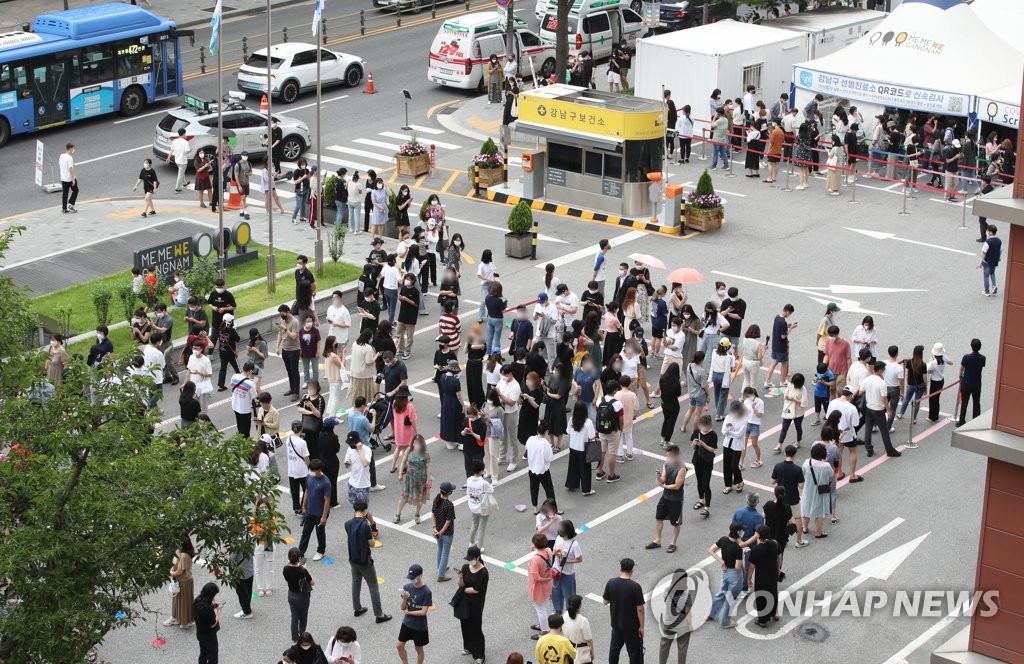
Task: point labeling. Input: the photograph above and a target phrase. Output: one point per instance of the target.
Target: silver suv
(244, 128)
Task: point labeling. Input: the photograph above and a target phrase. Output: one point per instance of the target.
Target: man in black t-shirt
(221, 302)
(734, 308)
(408, 315)
(303, 275)
(970, 381)
(592, 299)
(625, 600)
(359, 530)
(790, 476)
(377, 258)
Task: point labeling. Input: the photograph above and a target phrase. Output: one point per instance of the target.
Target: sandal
(698, 505)
(652, 545)
(727, 489)
(416, 520)
(650, 405)
(535, 628)
(820, 535)
(739, 488)
(671, 548)
(835, 520)
(705, 513)
(756, 464)
(777, 449)
(91, 655)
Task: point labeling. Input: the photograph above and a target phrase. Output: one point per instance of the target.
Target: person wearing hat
(243, 388)
(416, 602)
(937, 379)
(473, 578)
(227, 347)
(452, 412)
(298, 464)
(443, 513)
(545, 319)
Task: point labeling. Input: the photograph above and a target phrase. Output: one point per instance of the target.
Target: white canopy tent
(1005, 18)
(922, 57)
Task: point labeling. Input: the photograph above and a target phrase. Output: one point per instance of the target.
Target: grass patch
(249, 300)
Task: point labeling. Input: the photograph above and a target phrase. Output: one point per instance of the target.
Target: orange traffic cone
(264, 107)
(234, 199)
(370, 90)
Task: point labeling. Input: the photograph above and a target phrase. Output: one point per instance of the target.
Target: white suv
(293, 70)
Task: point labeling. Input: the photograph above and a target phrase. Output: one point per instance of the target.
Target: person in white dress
(865, 336)
(343, 648)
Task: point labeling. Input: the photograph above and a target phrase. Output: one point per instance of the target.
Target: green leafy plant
(329, 185)
(336, 243)
(63, 318)
(520, 219)
(703, 197)
(101, 297)
(128, 299)
(489, 155)
(200, 277)
(392, 204)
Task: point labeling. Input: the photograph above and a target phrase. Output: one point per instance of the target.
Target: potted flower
(491, 164)
(519, 239)
(412, 158)
(703, 206)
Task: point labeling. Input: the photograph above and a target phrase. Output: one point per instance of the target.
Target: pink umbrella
(684, 275)
(647, 259)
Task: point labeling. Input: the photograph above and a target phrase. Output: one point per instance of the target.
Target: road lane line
(139, 117)
(407, 137)
(900, 657)
(305, 106)
(116, 154)
(361, 153)
(540, 236)
(433, 131)
(376, 144)
(592, 250)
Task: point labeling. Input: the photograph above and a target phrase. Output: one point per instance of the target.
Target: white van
(595, 26)
(459, 54)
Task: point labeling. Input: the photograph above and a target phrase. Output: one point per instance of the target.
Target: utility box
(534, 169)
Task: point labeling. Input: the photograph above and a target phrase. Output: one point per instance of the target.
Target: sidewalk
(186, 13)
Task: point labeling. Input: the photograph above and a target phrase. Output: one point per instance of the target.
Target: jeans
(300, 205)
(485, 290)
(340, 214)
(634, 646)
(562, 590)
(721, 392)
(365, 572)
(307, 364)
(353, 215)
(988, 275)
(298, 605)
(478, 530)
(913, 393)
(722, 150)
(391, 298)
(291, 366)
(709, 341)
(877, 157)
(493, 336)
(422, 287)
(444, 547)
(725, 598)
(893, 394)
(309, 523)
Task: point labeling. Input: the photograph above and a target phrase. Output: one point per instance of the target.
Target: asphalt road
(110, 149)
(912, 525)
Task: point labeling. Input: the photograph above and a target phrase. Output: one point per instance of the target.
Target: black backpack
(607, 418)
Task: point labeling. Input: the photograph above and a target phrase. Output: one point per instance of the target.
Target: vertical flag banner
(318, 10)
(215, 26)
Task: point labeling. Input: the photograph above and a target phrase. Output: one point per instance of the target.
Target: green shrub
(336, 243)
(704, 185)
(128, 299)
(520, 220)
(101, 297)
(329, 189)
(200, 277)
(489, 148)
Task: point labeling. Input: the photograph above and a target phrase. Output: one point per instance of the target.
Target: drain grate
(813, 632)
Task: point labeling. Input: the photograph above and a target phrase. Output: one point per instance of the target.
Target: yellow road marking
(437, 107)
(467, 258)
(450, 182)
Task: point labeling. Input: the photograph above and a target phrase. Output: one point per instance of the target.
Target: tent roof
(726, 36)
(1003, 17)
(920, 57)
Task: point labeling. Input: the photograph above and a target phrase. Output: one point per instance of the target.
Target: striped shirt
(450, 326)
(241, 393)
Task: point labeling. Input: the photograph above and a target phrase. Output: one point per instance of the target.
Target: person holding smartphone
(206, 613)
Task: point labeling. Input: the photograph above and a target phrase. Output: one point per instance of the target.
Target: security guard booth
(599, 147)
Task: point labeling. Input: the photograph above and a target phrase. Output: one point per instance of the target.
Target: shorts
(243, 189)
(853, 443)
(774, 158)
(613, 76)
(669, 510)
(356, 495)
(820, 404)
(780, 355)
(735, 341)
(699, 400)
(753, 430)
(658, 333)
(609, 442)
(419, 637)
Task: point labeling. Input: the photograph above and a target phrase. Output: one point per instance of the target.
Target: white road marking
(376, 144)
(406, 137)
(433, 131)
(592, 250)
(879, 235)
(79, 247)
(139, 117)
(334, 161)
(540, 236)
(386, 159)
(852, 306)
(305, 106)
(116, 154)
(900, 657)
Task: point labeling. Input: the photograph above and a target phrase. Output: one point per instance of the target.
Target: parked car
(414, 6)
(245, 129)
(689, 14)
(293, 70)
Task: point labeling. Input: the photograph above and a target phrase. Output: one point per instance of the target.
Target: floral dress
(415, 480)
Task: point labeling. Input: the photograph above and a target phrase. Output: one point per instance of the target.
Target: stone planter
(518, 246)
(704, 220)
(413, 166)
(490, 177)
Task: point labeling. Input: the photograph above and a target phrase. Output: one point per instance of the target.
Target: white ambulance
(595, 26)
(459, 54)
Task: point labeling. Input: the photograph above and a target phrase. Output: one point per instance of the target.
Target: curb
(254, 11)
(588, 215)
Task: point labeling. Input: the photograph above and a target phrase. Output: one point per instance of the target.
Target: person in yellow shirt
(552, 647)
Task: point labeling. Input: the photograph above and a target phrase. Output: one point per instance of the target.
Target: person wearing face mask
(68, 179)
(403, 201)
(714, 324)
(623, 282)
(288, 329)
(269, 186)
(379, 207)
(300, 178)
(228, 347)
(408, 314)
(203, 164)
(494, 80)
(221, 302)
(305, 651)
(240, 173)
(369, 186)
(150, 183)
(200, 372)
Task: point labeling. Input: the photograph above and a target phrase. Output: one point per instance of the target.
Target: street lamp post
(271, 258)
(319, 249)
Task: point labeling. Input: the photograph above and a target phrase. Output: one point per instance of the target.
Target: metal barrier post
(903, 212)
(245, 47)
(732, 157)
(853, 188)
(202, 59)
(789, 170)
(963, 217)
(362, 22)
(504, 168)
(284, 32)
(476, 179)
(703, 143)
(533, 246)
(323, 30)
(433, 8)
(398, 17)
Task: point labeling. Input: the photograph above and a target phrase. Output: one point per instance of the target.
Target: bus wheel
(5, 131)
(133, 101)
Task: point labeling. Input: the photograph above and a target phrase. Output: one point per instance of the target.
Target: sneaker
(588, 493)
(620, 459)
(377, 487)
(911, 446)
(600, 475)
(629, 457)
(169, 622)
(613, 478)
(511, 467)
(242, 615)
(802, 543)
(318, 556)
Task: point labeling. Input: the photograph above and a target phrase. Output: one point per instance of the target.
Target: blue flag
(318, 11)
(215, 26)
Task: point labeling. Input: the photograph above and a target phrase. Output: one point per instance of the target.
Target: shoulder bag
(488, 504)
(823, 489)
(459, 604)
(592, 450)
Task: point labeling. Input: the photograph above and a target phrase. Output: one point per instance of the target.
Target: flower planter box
(490, 177)
(518, 246)
(413, 166)
(704, 220)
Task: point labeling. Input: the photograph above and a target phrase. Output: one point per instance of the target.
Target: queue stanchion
(732, 158)
(789, 170)
(963, 217)
(853, 188)
(906, 186)
(703, 144)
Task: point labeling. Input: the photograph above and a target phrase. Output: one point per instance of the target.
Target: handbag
(592, 450)
(459, 604)
(174, 587)
(305, 587)
(488, 504)
(583, 655)
(823, 489)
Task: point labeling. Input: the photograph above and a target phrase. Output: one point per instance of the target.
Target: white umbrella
(648, 260)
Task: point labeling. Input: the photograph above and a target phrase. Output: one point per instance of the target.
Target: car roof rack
(232, 102)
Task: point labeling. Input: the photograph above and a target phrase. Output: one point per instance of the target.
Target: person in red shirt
(837, 356)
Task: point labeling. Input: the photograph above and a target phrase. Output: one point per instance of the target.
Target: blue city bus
(86, 62)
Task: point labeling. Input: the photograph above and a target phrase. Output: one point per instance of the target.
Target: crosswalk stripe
(283, 193)
(376, 144)
(406, 137)
(427, 130)
(387, 159)
(347, 163)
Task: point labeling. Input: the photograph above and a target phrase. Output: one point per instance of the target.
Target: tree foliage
(91, 500)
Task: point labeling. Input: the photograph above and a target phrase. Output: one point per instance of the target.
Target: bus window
(97, 64)
(6, 80)
(133, 58)
(171, 55)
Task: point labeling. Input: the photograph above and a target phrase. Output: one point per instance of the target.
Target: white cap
(228, 318)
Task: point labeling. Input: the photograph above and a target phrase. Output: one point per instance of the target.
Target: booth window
(752, 76)
(642, 157)
(613, 167)
(565, 157)
(593, 163)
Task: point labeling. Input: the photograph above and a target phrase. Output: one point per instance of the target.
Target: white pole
(271, 258)
(220, 151)
(319, 249)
